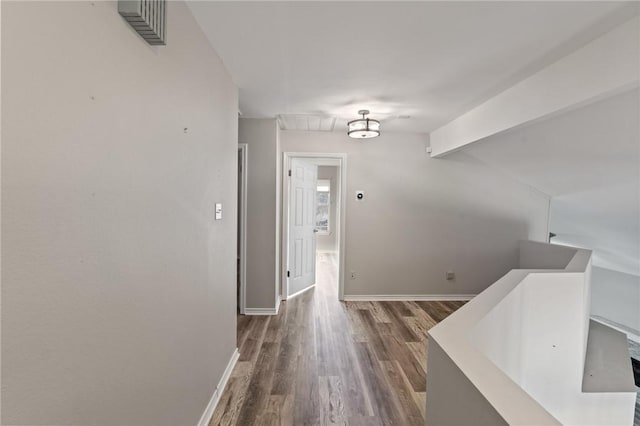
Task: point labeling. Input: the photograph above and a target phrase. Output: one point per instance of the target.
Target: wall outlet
(353, 275)
(451, 276)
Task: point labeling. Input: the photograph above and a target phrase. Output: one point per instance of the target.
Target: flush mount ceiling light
(363, 128)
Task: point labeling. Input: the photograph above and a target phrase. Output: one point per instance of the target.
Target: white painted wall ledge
(606, 66)
(518, 353)
(631, 334)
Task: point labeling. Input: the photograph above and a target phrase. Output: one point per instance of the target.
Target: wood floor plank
(421, 401)
(364, 421)
(419, 351)
(358, 330)
(356, 396)
(375, 337)
(411, 366)
(284, 377)
(434, 309)
(446, 306)
(394, 312)
(258, 390)
(332, 401)
(418, 327)
(274, 329)
(421, 315)
(306, 407)
(250, 348)
(242, 328)
(271, 415)
(403, 394)
(378, 386)
(378, 312)
(233, 397)
(325, 362)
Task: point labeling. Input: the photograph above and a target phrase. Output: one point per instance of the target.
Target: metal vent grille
(305, 122)
(147, 17)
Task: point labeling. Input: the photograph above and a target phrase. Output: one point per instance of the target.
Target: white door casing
(302, 233)
(318, 158)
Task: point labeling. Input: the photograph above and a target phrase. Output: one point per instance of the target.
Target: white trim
(278, 301)
(530, 101)
(243, 148)
(407, 297)
(261, 311)
(341, 218)
(300, 292)
(548, 234)
(215, 398)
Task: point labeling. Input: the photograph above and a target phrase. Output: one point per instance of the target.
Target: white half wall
(422, 217)
(118, 287)
(529, 352)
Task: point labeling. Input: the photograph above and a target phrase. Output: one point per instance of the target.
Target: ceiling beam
(604, 67)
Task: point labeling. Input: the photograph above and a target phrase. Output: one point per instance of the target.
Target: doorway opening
(241, 264)
(313, 222)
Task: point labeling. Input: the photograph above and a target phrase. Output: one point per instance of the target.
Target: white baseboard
(215, 398)
(261, 311)
(264, 311)
(301, 291)
(407, 297)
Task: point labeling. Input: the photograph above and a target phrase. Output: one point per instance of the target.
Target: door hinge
(289, 172)
(288, 274)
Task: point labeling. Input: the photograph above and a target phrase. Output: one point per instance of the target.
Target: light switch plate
(218, 211)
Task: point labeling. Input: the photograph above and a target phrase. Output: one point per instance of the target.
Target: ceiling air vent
(311, 123)
(147, 17)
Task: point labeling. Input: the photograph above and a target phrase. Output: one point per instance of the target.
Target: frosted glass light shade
(363, 128)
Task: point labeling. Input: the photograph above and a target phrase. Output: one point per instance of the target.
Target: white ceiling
(429, 60)
(433, 61)
(588, 161)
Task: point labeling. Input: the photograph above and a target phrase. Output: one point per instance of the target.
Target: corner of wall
(278, 223)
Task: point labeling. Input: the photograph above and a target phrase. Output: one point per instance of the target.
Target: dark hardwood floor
(321, 361)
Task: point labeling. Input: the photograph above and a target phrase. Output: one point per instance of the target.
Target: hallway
(321, 361)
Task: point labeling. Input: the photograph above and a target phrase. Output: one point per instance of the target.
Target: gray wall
(544, 256)
(615, 296)
(423, 216)
(263, 232)
(329, 243)
(118, 287)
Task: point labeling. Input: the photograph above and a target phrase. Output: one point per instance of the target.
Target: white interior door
(302, 221)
